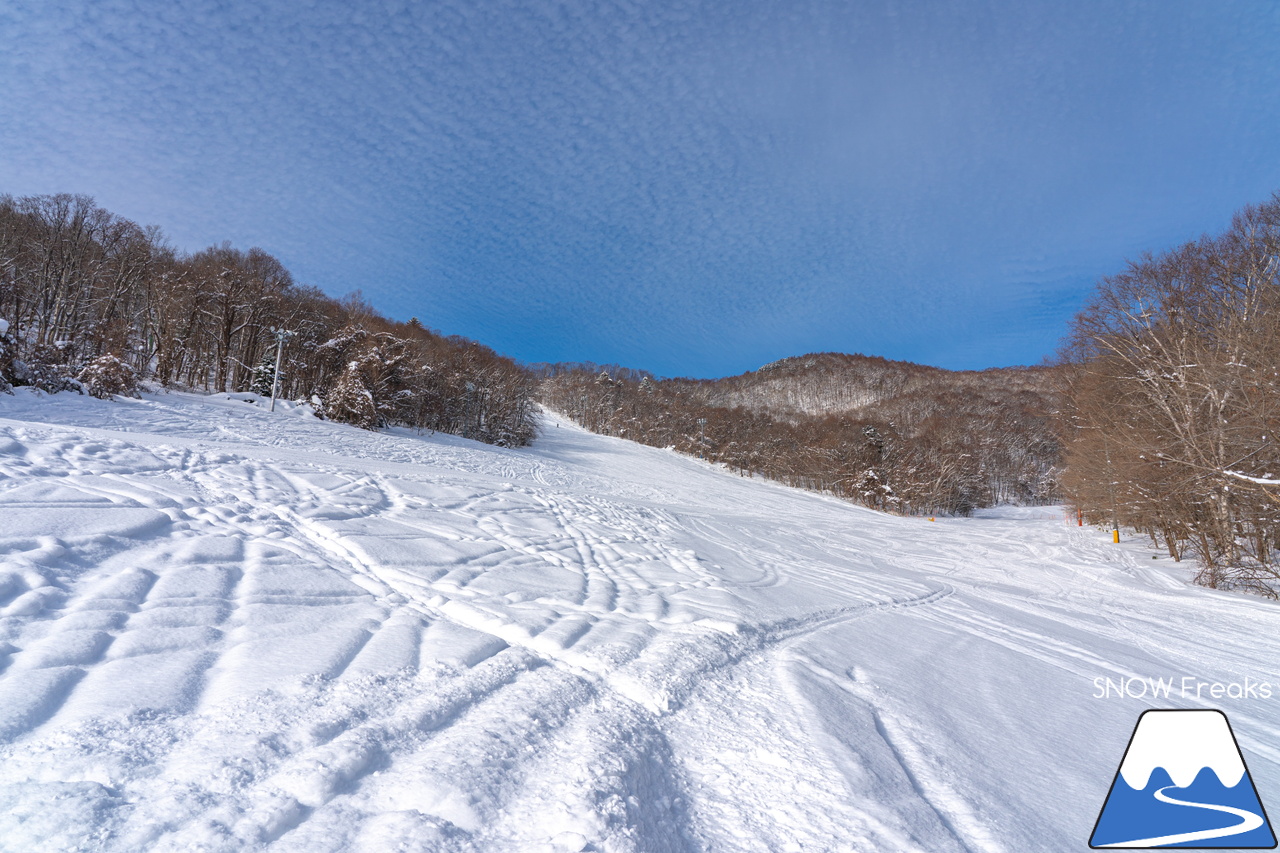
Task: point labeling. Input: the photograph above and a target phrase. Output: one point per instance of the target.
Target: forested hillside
(889, 435)
(91, 301)
(832, 382)
(1168, 401)
(1175, 401)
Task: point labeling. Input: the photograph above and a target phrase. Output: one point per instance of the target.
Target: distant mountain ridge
(889, 434)
(844, 383)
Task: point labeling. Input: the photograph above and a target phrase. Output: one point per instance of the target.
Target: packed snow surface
(228, 629)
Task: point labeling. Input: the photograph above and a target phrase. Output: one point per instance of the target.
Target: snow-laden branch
(1261, 481)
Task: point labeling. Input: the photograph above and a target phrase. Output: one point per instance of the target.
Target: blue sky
(695, 188)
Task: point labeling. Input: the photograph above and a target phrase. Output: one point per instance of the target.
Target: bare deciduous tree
(1174, 400)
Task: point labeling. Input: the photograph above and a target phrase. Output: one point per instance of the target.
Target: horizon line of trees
(1174, 402)
(85, 293)
(954, 443)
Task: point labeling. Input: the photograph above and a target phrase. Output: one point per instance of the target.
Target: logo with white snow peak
(1183, 783)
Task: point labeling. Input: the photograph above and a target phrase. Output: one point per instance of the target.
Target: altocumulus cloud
(691, 187)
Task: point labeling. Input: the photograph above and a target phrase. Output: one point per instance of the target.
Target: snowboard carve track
(964, 826)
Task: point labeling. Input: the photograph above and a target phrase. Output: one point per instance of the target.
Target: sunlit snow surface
(224, 629)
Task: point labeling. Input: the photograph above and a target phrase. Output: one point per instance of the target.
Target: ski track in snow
(223, 629)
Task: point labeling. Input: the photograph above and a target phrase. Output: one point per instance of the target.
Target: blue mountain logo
(1183, 783)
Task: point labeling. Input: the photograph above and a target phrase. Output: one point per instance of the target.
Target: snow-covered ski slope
(224, 629)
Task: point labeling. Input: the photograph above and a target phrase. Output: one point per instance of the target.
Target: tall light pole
(281, 336)
(702, 437)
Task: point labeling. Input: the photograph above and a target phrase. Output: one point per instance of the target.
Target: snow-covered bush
(106, 376)
(45, 368)
(349, 401)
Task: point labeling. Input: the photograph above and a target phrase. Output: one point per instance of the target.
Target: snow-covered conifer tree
(264, 375)
(349, 401)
